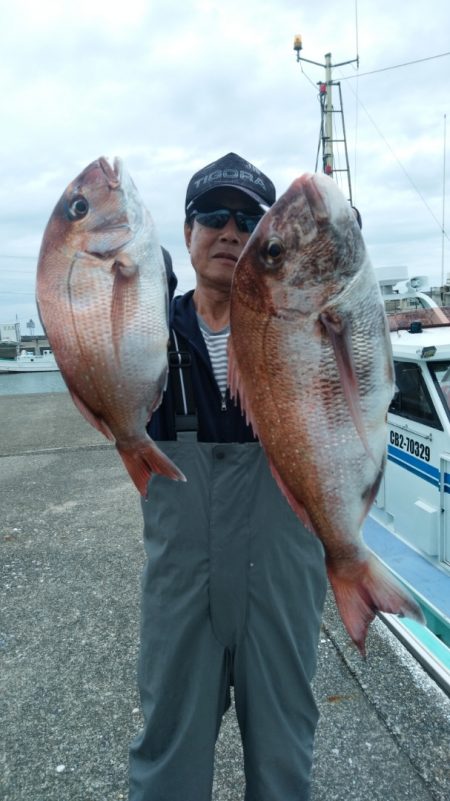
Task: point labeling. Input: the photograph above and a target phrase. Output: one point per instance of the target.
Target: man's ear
(187, 235)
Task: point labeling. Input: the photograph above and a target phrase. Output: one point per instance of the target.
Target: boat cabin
(414, 496)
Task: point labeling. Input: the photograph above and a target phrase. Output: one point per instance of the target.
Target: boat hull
(31, 364)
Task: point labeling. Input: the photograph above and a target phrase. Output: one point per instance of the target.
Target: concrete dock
(70, 562)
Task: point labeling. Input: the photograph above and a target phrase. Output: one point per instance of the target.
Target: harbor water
(31, 383)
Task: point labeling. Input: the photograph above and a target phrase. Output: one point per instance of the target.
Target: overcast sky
(170, 86)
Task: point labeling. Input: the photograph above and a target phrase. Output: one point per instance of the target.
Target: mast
(328, 111)
(327, 150)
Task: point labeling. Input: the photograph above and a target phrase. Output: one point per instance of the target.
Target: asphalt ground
(70, 562)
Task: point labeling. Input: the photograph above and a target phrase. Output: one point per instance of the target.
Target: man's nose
(230, 231)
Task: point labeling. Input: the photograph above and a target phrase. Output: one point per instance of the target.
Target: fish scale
(102, 297)
(310, 358)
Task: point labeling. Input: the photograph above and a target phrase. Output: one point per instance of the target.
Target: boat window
(412, 399)
(440, 373)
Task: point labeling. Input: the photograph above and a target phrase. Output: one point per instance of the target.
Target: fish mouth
(112, 171)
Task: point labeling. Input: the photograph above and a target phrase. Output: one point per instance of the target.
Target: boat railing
(415, 320)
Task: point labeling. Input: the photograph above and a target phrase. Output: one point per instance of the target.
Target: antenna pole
(328, 163)
(326, 101)
(443, 202)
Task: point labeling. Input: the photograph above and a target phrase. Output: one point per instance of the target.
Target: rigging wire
(356, 96)
(356, 34)
(26, 292)
(16, 256)
(357, 74)
(415, 187)
(307, 77)
(443, 200)
(394, 66)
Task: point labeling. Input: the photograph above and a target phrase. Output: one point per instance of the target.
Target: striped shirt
(216, 343)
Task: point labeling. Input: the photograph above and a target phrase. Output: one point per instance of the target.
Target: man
(234, 586)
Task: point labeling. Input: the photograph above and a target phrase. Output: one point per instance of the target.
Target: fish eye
(77, 208)
(273, 252)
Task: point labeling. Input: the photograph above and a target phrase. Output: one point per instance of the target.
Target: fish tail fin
(144, 459)
(369, 590)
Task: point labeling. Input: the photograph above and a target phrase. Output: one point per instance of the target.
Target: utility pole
(328, 110)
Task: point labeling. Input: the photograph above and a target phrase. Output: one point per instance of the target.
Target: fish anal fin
(90, 416)
(338, 329)
(366, 589)
(145, 458)
(124, 301)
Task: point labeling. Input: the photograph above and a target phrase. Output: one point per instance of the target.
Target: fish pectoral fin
(371, 492)
(365, 589)
(339, 331)
(91, 417)
(124, 300)
(125, 265)
(144, 459)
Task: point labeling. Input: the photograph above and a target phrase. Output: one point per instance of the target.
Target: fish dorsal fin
(124, 301)
(237, 388)
(92, 418)
(339, 331)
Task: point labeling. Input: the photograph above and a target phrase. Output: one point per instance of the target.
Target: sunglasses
(218, 218)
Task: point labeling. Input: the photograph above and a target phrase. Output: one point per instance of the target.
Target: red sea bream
(310, 358)
(102, 298)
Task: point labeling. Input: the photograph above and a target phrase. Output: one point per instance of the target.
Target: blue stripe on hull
(446, 482)
(416, 466)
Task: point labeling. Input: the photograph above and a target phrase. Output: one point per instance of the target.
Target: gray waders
(233, 591)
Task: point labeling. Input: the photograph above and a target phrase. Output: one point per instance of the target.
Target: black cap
(232, 171)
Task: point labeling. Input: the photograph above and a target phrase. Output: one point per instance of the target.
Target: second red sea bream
(310, 357)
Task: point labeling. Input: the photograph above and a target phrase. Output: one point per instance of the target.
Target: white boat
(409, 524)
(29, 363)
(418, 448)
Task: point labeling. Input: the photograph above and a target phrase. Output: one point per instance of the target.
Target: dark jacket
(214, 424)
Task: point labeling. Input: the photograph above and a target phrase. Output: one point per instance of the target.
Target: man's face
(214, 252)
